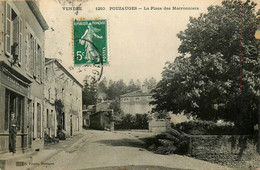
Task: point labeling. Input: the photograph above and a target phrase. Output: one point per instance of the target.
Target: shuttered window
(13, 35)
(8, 29)
(20, 40)
(27, 47)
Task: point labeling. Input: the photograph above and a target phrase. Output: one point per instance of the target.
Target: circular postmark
(97, 62)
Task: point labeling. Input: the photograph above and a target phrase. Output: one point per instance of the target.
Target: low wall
(159, 126)
(219, 148)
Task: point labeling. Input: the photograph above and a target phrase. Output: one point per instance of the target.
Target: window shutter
(35, 59)
(38, 61)
(20, 40)
(8, 28)
(31, 54)
(40, 65)
(27, 47)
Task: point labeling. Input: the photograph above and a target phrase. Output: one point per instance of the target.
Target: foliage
(206, 128)
(133, 86)
(141, 121)
(89, 94)
(172, 142)
(48, 139)
(115, 89)
(162, 114)
(115, 105)
(128, 121)
(204, 82)
(59, 106)
(150, 83)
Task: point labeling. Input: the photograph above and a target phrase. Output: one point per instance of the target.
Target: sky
(139, 41)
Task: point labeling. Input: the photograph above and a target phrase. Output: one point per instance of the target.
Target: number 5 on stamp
(90, 42)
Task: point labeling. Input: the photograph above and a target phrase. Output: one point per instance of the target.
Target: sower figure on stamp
(12, 133)
(87, 40)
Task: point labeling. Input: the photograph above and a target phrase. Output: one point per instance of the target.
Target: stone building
(61, 85)
(21, 73)
(136, 102)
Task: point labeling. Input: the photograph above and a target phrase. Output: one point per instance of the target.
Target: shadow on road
(124, 142)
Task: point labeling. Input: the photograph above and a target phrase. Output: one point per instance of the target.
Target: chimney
(144, 89)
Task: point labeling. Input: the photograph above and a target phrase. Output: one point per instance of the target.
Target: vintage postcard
(129, 84)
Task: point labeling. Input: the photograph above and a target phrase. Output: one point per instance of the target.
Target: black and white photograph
(129, 84)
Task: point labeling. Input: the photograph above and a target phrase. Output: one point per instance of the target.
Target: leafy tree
(102, 85)
(150, 83)
(115, 105)
(132, 86)
(115, 89)
(89, 94)
(138, 83)
(204, 82)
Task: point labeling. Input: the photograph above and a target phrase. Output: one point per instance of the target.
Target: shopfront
(14, 88)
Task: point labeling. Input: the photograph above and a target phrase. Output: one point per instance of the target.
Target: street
(110, 150)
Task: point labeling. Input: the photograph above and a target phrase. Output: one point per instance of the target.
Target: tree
(102, 85)
(132, 86)
(116, 88)
(150, 83)
(59, 107)
(115, 105)
(89, 94)
(204, 81)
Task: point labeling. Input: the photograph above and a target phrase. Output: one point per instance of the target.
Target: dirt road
(115, 150)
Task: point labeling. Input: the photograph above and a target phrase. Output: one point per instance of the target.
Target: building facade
(136, 102)
(21, 73)
(60, 85)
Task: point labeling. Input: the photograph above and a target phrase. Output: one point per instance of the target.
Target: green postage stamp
(90, 42)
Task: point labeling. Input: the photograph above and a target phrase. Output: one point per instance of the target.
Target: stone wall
(159, 126)
(220, 148)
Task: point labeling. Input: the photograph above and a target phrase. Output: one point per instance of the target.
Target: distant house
(102, 120)
(61, 85)
(99, 116)
(136, 102)
(104, 105)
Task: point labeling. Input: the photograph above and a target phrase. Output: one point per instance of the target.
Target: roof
(35, 10)
(106, 102)
(136, 93)
(104, 105)
(51, 60)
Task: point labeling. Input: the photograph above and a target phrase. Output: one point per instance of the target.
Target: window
(20, 110)
(47, 119)
(31, 54)
(7, 109)
(126, 99)
(38, 65)
(38, 120)
(13, 34)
